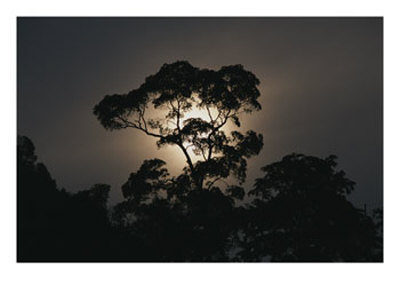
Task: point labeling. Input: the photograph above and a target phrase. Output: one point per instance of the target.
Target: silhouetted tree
(161, 108)
(301, 213)
(36, 210)
(53, 225)
(168, 221)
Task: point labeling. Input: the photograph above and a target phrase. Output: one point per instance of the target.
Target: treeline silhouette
(297, 211)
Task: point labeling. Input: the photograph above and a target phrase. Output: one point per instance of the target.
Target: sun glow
(199, 113)
(210, 115)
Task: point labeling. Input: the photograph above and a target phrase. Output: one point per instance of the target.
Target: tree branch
(215, 180)
(139, 127)
(209, 115)
(213, 131)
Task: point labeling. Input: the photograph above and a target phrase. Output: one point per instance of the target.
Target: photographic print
(188, 139)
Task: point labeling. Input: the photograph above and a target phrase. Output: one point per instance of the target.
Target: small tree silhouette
(54, 225)
(164, 107)
(301, 213)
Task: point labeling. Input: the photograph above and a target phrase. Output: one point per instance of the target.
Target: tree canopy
(161, 108)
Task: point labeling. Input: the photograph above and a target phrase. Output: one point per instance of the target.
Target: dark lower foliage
(300, 213)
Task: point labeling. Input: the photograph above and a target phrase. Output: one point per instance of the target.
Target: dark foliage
(54, 225)
(300, 213)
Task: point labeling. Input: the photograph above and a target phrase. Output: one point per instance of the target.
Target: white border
(198, 281)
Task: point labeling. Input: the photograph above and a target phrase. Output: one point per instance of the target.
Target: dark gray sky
(321, 90)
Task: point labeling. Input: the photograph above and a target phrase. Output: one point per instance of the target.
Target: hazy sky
(321, 90)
